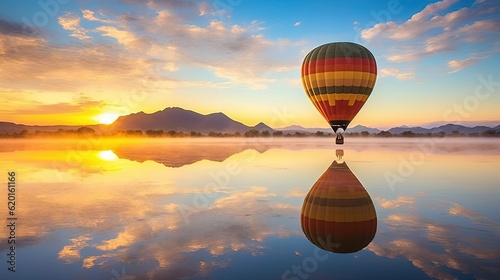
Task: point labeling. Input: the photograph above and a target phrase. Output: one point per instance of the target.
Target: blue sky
(69, 61)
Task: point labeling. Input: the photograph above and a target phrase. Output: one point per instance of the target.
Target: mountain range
(447, 129)
(178, 119)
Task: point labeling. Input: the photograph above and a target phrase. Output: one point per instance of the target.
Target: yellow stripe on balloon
(346, 96)
(340, 214)
(330, 98)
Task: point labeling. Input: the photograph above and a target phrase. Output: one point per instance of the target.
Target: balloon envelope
(338, 79)
(338, 214)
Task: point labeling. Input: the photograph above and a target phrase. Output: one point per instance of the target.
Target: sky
(71, 62)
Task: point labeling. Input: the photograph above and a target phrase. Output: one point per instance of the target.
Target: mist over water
(220, 208)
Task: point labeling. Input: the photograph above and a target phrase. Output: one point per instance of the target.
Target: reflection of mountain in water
(179, 154)
(338, 214)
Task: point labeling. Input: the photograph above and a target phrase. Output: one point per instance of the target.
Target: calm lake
(415, 208)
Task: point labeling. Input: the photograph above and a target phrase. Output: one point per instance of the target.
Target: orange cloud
(141, 54)
(72, 23)
(388, 72)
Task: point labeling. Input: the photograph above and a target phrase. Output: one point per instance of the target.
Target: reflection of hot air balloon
(338, 78)
(338, 214)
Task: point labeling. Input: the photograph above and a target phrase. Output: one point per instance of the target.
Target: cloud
(436, 30)
(166, 40)
(171, 4)
(16, 38)
(56, 108)
(186, 9)
(296, 193)
(294, 82)
(298, 23)
(124, 37)
(72, 23)
(158, 50)
(55, 68)
(15, 46)
(92, 66)
(392, 72)
(204, 9)
(89, 15)
(73, 107)
(457, 65)
(416, 26)
(408, 56)
(17, 29)
(225, 48)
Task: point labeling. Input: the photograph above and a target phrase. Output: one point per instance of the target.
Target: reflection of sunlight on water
(442, 217)
(107, 155)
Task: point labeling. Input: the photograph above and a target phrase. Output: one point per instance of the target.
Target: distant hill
(360, 128)
(401, 129)
(262, 127)
(8, 127)
(179, 119)
(447, 129)
(297, 128)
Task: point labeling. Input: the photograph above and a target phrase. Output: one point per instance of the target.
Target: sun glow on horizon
(107, 118)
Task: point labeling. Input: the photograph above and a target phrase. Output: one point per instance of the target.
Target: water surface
(231, 208)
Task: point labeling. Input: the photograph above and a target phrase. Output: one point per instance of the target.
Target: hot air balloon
(338, 79)
(338, 214)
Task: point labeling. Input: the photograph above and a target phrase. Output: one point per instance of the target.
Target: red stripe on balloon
(339, 64)
(341, 110)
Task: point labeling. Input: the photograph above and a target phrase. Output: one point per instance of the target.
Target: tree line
(82, 131)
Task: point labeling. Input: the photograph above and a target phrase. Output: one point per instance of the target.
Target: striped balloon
(338, 79)
(338, 214)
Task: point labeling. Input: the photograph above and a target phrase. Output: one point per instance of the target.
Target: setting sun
(107, 118)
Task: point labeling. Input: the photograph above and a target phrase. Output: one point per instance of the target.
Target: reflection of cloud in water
(71, 253)
(449, 244)
(459, 210)
(118, 190)
(124, 212)
(400, 200)
(234, 223)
